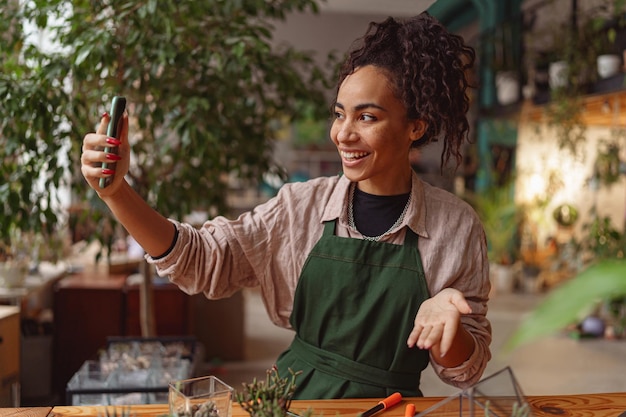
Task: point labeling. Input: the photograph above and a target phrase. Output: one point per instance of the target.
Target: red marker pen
(390, 401)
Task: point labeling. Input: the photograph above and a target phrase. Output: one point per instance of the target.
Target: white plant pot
(12, 274)
(608, 65)
(507, 87)
(531, 284)
(558, 73)
(503, 277)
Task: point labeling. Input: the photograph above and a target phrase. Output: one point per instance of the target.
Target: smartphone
(118, 106)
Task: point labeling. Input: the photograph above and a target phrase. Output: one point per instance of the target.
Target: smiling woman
(373, 134)
(378, 272)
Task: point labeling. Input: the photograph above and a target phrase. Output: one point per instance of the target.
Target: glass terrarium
(133, 371)
(88, 385)
(498, 395)
(205, 396)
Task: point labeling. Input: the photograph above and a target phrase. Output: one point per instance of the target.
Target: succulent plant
(269, 398)
(205, 409)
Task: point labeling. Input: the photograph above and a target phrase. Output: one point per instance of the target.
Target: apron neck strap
(329, 228)
(410, 237)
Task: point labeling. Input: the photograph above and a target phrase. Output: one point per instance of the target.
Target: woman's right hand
(93, 156)
(154, 232)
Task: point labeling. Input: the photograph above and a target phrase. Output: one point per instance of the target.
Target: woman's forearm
(151, 230)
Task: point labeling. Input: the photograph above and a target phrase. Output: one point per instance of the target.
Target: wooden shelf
(608, 109)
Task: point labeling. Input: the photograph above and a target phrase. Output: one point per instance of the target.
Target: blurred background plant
(600, 284)
(205, 85)
(501, 218)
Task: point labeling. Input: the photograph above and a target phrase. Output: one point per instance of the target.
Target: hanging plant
(607, 165)
(565, 215)
(578, 47)
(564, 114)
(603, 240)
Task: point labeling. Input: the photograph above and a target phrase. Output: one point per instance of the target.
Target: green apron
(353, 310)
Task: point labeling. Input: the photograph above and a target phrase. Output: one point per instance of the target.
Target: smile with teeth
(352, 156)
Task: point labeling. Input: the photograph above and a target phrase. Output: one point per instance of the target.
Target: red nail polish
(105, 114)
(113, 157)
(113, 141)
(107, 171)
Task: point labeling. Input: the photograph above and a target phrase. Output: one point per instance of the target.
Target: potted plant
(602, 239)
(501, 50)
(271, 397)
(507, 87)
(501, 218)
(569, 79)
(599, 282)
(605, 21)
(608, 166)
(14, 261)
(576, 47)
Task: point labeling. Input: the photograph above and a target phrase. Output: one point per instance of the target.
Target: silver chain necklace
(373, 238)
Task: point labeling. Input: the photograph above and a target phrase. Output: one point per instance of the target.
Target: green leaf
(83, 53)
(565, 304)
(203, 81)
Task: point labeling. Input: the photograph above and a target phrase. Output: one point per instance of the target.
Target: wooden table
(597, 405)
(9, 355)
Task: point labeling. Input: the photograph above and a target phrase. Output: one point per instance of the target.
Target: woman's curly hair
(426, 66)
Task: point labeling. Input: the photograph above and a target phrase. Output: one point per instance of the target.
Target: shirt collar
(338, 202)
(416, 218)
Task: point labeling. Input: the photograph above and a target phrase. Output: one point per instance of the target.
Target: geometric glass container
(205, 396)
(498, 395)
(133, 371)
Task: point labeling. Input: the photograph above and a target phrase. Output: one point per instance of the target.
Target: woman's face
(373, 134)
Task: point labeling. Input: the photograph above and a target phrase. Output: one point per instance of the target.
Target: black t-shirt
(375, 214)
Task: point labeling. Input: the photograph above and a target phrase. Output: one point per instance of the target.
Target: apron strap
(329, 228)
(344, 368)
(410, 237)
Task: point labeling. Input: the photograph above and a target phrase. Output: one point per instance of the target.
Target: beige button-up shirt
(269, 245)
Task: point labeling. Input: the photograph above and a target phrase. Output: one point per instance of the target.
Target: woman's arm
(149, 228)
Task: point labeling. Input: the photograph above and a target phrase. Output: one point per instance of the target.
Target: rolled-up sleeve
(455, 256)
(203, 260)
(264, 247)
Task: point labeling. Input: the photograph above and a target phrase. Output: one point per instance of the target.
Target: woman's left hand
(438, 320)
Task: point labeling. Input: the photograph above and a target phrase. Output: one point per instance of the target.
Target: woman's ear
(418, 129)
